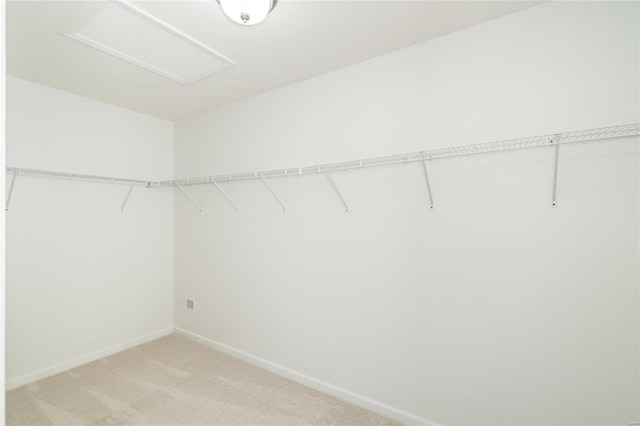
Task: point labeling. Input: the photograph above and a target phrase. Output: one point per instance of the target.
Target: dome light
(247, 12)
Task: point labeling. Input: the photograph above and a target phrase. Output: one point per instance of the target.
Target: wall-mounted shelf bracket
(127, 197)
(224, 194)
(335, 188)
(284, 209)
(13, 181)
(554, 141)
(188, 196)
(426, 178)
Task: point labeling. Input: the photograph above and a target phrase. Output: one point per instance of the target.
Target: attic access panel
(129, 33)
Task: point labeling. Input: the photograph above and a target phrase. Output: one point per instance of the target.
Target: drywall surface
(492, 309)
(82, 277)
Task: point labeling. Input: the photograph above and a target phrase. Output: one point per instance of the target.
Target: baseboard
(85, 359)
(319, 385)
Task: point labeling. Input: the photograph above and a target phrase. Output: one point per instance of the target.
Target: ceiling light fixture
(247, 12)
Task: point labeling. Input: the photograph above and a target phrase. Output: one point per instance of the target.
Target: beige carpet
(175, 381)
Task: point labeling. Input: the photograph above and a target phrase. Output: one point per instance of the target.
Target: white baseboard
(85, 359)
(319, 385)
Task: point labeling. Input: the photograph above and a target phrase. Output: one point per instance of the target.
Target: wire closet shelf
(456, 151)
(80, 177)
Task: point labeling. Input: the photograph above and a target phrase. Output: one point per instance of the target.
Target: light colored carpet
(176, 381)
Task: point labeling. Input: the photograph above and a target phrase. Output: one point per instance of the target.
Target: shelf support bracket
(224, 194)
(335, 188)
(13, 181)
(188, 196)
(426, 178)
(284, 209)
(127, 197)
(556, 154)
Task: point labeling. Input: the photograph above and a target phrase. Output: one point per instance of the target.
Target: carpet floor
(176, 381)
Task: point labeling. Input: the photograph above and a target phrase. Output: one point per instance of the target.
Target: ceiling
(299, 40)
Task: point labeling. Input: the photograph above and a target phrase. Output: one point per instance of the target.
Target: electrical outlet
(191, 304)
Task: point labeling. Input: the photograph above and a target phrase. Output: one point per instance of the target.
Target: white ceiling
(299, 40)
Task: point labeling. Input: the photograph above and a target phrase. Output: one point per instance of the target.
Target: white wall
(492, 309)
(2, 213)
(82, 277)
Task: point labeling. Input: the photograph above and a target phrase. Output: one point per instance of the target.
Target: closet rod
(456, 151)
(81, 177)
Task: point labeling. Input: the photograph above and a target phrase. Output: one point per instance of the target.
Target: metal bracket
(335, 188)
(126, 198)
(554, 141)
(13, 180)
(224, 194)
(284, 209)
(188, 196)
(426, 177)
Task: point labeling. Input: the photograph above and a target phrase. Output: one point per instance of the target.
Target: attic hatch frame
(550, 140)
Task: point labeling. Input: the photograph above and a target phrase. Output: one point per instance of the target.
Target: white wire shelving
(17, 171)
(80, 177)
(553, 140)
(456, 151)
